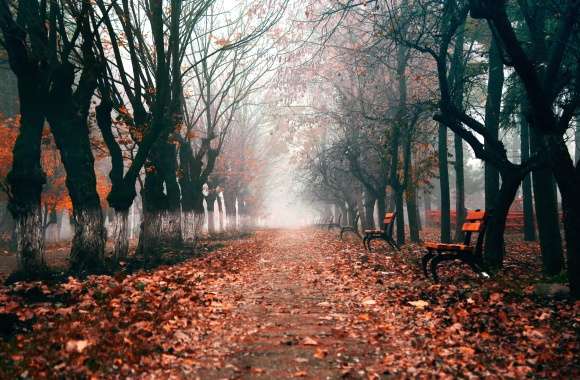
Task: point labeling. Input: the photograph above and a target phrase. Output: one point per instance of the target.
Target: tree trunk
(210, 199)
(230, 203)
(400, 207)
(88, 244)
(568, 177)
(381, 205)
(30, 242)
(413, 214)
(68, 118)
(26, 180)
(547, 214)
(153, 205)
(26, 177)
(59, 217)
(444, 186)
(121, 235)
(222, 211)
(571, 228)
(529, 226)
(459, 188)
(171, 218)
(577, 141)
(494, 236)
(369, 212)
(427, 207)
(492, 117)
(150, 247)
(457, 80)
(161, 202)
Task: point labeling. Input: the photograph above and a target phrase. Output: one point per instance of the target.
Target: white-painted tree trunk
(376, 215)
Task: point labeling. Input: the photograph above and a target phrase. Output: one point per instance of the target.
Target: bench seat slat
(472, 227)
(445, 246)
(475, 215)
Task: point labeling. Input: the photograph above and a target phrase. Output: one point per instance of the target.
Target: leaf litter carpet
(290, 304)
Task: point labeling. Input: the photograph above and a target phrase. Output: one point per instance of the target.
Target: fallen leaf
(467, 351)
(420, 304)
(76, 345)
(320, 353)
(308, 341)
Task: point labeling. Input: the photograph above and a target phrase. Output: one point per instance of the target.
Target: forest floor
(293, 304)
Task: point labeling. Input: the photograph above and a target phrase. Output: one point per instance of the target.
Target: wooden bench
(475, 222)
(352, 228)
(514, 219)
(385, 234)
(323, 222)
(332, 225)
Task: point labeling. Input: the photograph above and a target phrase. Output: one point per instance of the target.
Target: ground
(292, 304)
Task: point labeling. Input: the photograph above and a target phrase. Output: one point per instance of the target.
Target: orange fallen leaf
(76, 345)
(308, 341)
(320, 353)
(420, 304)
(467, 351)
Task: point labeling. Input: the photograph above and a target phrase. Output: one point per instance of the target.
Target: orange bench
(352, 228)
(385, 234)
(514, 219)
(475, 222)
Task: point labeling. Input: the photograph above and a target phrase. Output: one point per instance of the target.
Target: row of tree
(400, 74)
(162, 81)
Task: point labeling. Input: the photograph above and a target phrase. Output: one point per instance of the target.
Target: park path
(293, 313)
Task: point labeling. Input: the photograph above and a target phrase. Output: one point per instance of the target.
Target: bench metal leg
(475, 264)
(438, 260)
(370, 238)
(425, 262)
(393, 243)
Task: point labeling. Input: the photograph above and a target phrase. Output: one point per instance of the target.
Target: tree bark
(444, 186)
(547, 213)
(400, 220)
(577, 141)
(568, 177)
(88, 244)
(171, 221)
(161, 202)
(427, 207)
(459, 188)
(457, 81)
(121, 235)
(381, 207)
(369, 211)
(413, 214)
(230, 202)
(529, 225)
(492, 118)
(210, 199)
(494, 237)
(25, 181)
(222, 212)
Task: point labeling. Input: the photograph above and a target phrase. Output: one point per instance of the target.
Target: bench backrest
(475, 222)
(389, 222)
